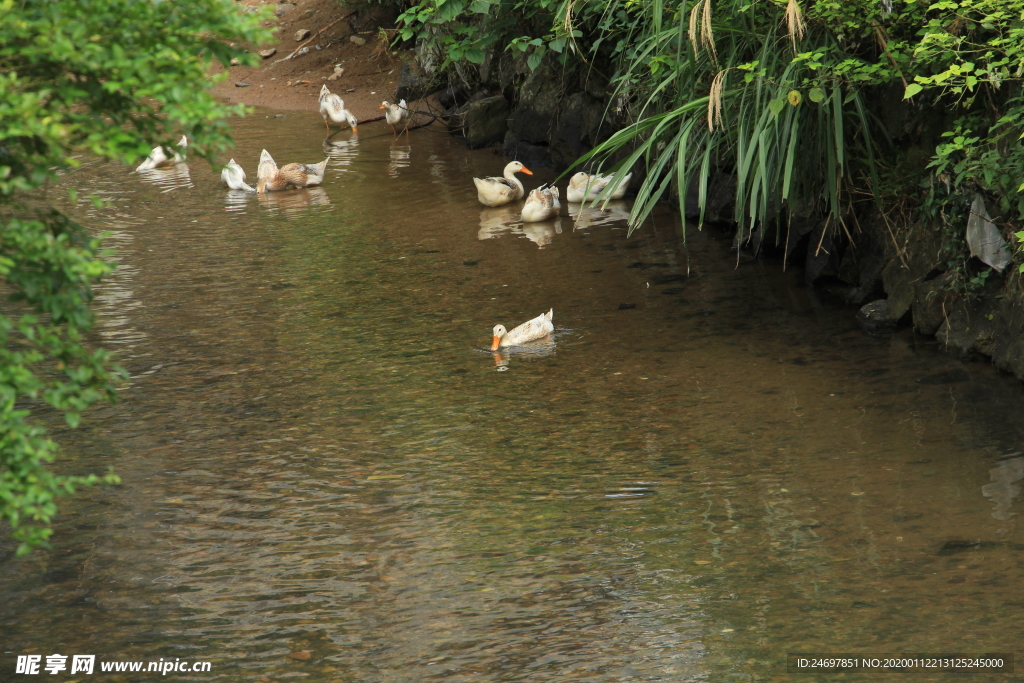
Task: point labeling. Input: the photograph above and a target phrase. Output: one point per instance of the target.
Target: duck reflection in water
(168, 178)
(237, 201)
(496, 221)
(295, 201)
(541, 348)
(400, 152)
(341, 152)
(591, 215)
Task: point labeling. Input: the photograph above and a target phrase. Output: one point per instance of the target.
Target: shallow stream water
(327, 475)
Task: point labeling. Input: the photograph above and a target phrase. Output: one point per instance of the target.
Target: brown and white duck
(541, 204)
(270, 178)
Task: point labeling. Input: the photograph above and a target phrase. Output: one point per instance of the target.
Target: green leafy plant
(107, 78)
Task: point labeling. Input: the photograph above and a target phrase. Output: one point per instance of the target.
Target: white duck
(531, 330)
(333, 107)
(158, 158)
(584, 187)
(396, 115)
(233, 176)
(541, 204)
(270, 178)
(501, 191)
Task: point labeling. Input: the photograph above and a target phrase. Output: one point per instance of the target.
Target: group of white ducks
(269, 177)
(542, 203)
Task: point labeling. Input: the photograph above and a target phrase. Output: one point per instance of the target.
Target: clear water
(329, 477)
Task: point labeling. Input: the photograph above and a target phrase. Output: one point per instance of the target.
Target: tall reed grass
(723, 86)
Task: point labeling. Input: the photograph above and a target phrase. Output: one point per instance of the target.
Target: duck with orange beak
(396, 115)
(332, 108)
(504, 190)
(531, 330)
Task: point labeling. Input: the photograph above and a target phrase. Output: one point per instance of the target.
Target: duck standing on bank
(531, 330)
(270, 178)
(541, 204)
(159, 158)
(396, 115)
(501, 191)
(332, 108)
(585, 187)
(233, 176)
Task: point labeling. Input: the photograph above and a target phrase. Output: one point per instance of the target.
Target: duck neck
(510, 175)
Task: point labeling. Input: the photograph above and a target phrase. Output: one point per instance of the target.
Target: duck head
(579, 180)
(499, 332)
(517, 167)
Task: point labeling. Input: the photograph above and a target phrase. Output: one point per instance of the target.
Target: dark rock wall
(552, 115)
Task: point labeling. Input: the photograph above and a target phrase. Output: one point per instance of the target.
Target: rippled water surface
(329, 477)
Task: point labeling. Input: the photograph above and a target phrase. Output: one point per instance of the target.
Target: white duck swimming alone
(541, 204)
(501, 191)
(531, 330)
(270, 178)
(584, 187)
(396, 115)
(332, 108)
(233, 176)
(159, 158)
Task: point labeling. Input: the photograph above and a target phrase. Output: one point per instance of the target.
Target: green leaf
(448, 10)
(533, 61)
(474, 55)
(777, 105)
(912, 89)
(816, 95)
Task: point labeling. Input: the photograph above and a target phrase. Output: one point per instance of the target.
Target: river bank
(334, 36)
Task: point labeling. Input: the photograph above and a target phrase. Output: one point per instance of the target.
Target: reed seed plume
(795, 20)
(700, 28)
(715, 101)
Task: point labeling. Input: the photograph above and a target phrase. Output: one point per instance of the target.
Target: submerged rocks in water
(956, 547)
(874, 317)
